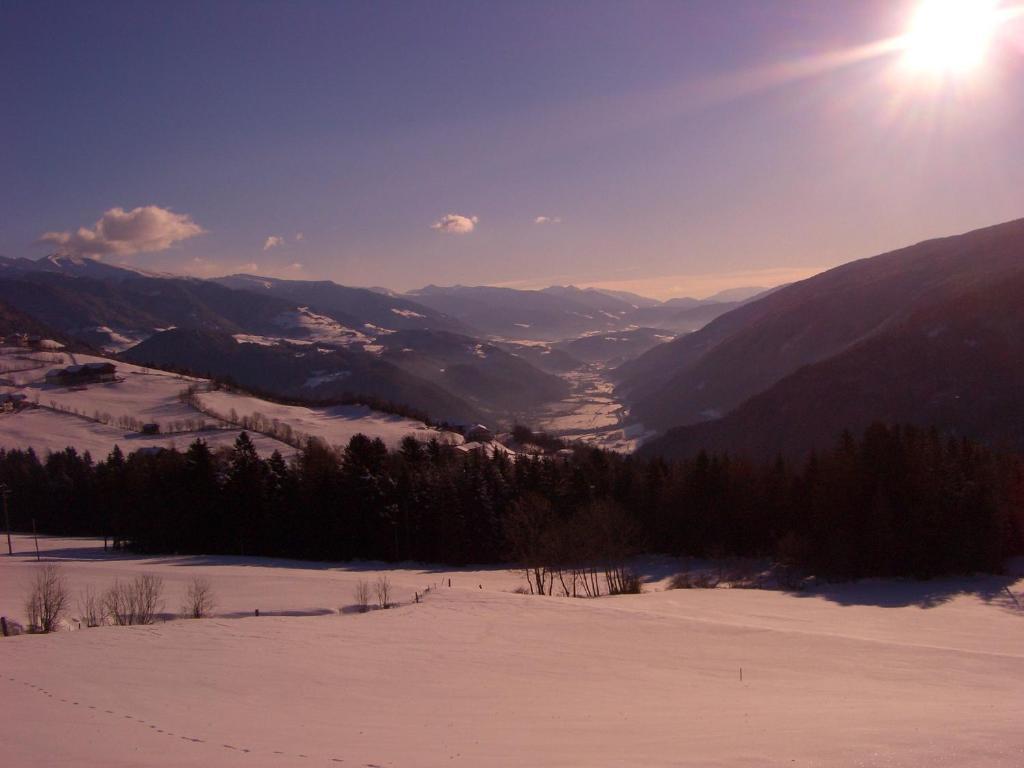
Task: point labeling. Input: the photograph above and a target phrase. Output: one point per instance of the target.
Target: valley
(512, 384)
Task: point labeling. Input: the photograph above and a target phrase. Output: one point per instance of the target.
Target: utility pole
(5, 492)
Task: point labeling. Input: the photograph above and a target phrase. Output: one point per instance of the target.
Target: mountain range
(320, 340)
(932, 334)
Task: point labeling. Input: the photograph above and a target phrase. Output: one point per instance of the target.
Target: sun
(951, 37)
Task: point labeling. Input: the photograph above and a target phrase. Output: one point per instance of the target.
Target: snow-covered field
(67, 416)
(336, 425)
(44, 430)
(881, 674)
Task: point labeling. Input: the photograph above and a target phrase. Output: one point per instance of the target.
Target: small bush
(361, 593)
(199, 599)
(383, 590)
(90, 608)
(693, 581)
(47, 599)
(135, 602)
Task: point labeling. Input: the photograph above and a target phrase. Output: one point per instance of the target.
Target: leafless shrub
(623, 581)
(688, 580)
(383, 590)
(362, 595)
(117, 604)
(47, 599)
(135, 602)
(199, 598)
(521, 590)
(148, 591)
(90, 607)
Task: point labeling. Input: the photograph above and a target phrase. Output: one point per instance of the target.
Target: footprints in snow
(155, 729)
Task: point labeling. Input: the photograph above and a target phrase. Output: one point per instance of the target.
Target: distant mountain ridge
(903, 336)
(557, 313)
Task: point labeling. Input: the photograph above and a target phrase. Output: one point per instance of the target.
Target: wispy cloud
(455, 224)
(273, 242)
(119, 232)
(299, 237)
(548, 220)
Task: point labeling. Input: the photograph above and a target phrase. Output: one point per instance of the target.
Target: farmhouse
(74, 375)
(478, 433)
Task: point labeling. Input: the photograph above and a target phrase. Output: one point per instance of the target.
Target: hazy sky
(670, 148)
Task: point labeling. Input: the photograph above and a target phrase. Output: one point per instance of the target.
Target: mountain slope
(361, 307)
(478, 372)
(706, 374)
(13, 320)
(614, 347)
(70, 266)
(87, 308)
(956, 364)
(533, 315)
(309, 372)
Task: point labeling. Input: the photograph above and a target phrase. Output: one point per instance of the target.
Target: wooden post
(36, 537)
(6, 492)
(3, 625)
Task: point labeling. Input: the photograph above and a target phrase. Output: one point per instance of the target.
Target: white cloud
(299, 237)
(122, 233)
(455, 224)
(272, 242)
(548, 220)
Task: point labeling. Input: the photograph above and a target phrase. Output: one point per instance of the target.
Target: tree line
(896, 501)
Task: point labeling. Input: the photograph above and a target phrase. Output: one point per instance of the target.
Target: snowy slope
(336, 425)
(99, 416)
(482, 677)
(44, 430)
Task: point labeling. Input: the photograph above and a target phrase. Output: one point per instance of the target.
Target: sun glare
(951, 36)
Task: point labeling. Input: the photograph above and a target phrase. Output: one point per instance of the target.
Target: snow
(336, 425)
(149, 397)
(407, 313)
(311, 325)
(324, 378)
(263, 341)
(118, 341)
(143, 395)
(879, 674)
(45, 430)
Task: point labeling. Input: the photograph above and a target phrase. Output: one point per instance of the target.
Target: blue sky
(669, 144)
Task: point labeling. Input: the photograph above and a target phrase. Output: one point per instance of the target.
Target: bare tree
(135, 602)
(148, 591)
(383, 589)
(199, 598)
(90, 607)
(362, 595)
(47, 599)
(529, 530)
(117, 604)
